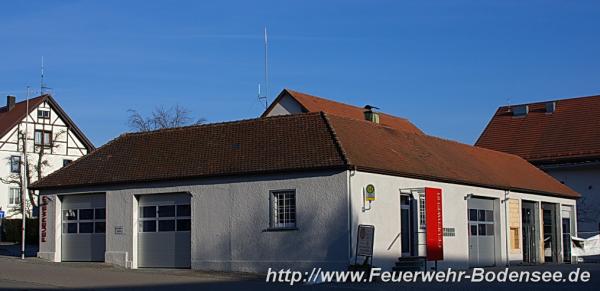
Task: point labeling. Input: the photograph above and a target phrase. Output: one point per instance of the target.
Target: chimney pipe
(10, 102)
(371, 115)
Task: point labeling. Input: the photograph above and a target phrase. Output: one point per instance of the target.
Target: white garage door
(482, 232)
(83, 228)
(164, 229)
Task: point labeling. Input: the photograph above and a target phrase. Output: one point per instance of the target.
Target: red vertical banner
(435, 226)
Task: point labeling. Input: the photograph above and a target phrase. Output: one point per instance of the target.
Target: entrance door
(164, 231)
(566, 226)
(550, 232)
(530, 231)
(407, 228)
(482, 234)
(83, 228)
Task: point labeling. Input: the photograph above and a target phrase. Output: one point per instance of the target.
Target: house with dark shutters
(290, 190)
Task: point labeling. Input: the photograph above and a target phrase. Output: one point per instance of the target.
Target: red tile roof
(9, 119)
(299, 142)
(311, 103)
(570, 134)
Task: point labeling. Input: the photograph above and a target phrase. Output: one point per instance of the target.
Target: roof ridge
(222, 123)
(341, 103)
(550, 100)
(429, 136)
(337, 141)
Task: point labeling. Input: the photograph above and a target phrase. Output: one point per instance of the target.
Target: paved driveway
(34, 273)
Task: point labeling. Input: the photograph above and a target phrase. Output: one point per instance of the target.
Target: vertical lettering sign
(435, 227)
(44, 219)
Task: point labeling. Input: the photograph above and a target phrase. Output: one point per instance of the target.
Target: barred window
(283, 209)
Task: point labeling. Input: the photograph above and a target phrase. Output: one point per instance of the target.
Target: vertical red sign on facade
(435, 227)
(44, 219)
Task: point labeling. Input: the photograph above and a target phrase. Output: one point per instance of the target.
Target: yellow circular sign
(370, 189)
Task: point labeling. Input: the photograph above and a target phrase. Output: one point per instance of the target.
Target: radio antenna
(265, 97)
(43, 86)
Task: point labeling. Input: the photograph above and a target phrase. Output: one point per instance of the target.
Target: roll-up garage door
(83, 228)
(482, 232)
(164, 229)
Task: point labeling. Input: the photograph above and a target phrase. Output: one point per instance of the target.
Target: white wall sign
(366, 236)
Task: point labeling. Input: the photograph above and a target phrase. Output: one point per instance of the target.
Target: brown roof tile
(298, 142)
(571, 133)
(381, 149)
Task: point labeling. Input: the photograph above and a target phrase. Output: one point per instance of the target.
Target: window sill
(280, 229)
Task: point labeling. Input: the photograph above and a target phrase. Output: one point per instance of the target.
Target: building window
(165, 218)
(44, 114)
(66, 162)
(14, 197)
(15, 164)
(43, 137)
(283, 209)
(422, 223)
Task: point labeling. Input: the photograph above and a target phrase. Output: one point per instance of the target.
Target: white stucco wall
(385, 216)
(229, 219)
(585, 179)
(286, 105)
(230, 216)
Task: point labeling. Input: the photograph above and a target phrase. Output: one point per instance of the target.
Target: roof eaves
(462, 182)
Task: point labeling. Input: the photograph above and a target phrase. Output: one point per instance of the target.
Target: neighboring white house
(562, 138)
(47, 126)
(291, 191)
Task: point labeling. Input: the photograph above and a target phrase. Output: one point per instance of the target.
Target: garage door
(482, 232)
(164, 239)
(83, 228)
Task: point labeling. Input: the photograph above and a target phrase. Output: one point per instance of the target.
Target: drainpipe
(351, 173)
(506, 225)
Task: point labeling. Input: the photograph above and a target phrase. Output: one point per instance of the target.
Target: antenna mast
(265, 97)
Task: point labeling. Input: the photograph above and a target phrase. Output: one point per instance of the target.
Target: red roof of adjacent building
(299, 142)
(311, 103)
(569, 134)
(10, 118)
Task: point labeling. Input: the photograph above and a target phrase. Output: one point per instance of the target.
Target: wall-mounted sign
(435, 227)
(370, 192)
(364, 241)
(44, 219)
(118, 230)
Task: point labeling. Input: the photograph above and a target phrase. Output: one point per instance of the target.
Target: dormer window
(43, 113)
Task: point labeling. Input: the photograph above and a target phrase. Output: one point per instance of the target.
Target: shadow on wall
(320, 240)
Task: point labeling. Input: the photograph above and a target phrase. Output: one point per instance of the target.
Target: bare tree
(33, 167)
(162, 117)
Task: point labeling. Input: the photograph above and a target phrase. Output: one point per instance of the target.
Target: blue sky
(445, 65)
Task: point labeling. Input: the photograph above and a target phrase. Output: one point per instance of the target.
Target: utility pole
(24, 184)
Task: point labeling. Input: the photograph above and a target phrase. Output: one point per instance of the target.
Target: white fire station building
(290, 190)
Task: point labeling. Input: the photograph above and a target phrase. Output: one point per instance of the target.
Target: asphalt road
(36, 274)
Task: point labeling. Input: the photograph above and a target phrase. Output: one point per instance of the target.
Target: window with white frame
(283, 209)
(14, 196)
(15, 164)
(422, 224)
